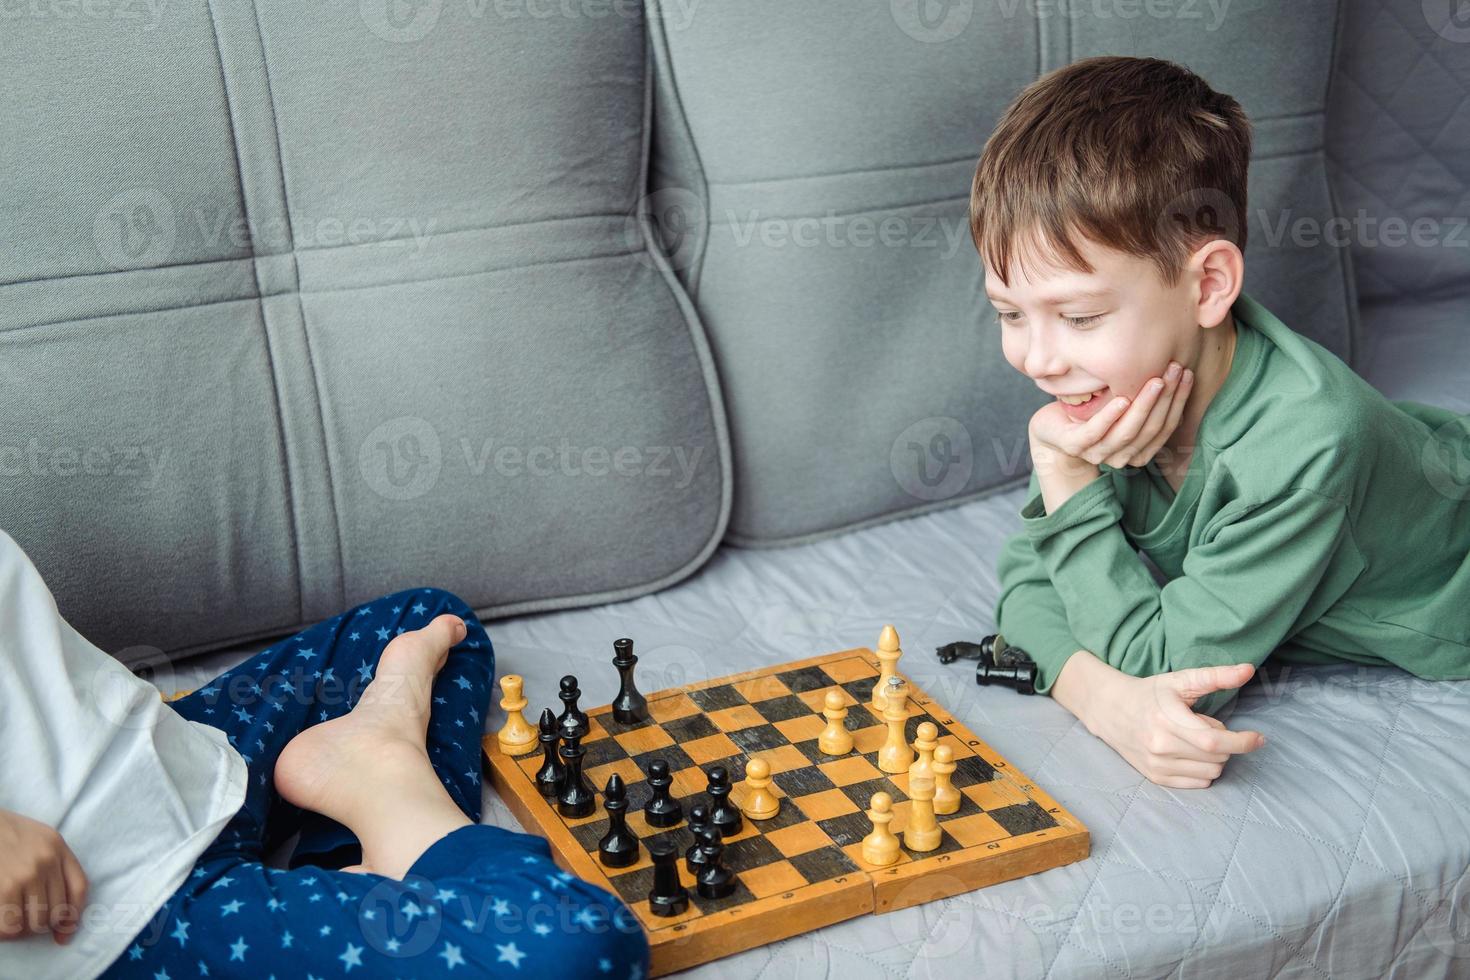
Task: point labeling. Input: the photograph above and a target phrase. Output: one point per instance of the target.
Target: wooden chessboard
(803, 868)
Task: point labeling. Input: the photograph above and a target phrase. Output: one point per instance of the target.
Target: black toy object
(629, 707)
(997, 662)
(1021, 677)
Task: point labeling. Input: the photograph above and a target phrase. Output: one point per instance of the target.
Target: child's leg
(319, 674)
(461, 699)
(481, 898)
(472, 896)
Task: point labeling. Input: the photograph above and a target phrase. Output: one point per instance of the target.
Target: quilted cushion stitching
(1424, 924)
(1229, 864)
(1362, 832)
(942, 905)
(1263, 923)
(288, 487)
(1096, 874)
(1428, 902)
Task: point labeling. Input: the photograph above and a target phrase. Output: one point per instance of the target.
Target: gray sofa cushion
(300, 306)
(812, 171)
(1398, 148)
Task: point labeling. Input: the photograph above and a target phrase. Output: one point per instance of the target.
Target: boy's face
(1048, 332)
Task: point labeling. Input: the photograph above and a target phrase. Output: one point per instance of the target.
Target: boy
(1293, 509)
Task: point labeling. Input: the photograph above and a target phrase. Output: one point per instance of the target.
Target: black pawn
(619, 846)
(668, 897)
(629, 707)
(696, 859)
(575, 797)
(714, 879)
(661, 810)
(569, 694)
(721, 813)
(549, 776)
(698, 822)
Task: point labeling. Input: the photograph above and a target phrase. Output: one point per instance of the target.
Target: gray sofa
(661, 320)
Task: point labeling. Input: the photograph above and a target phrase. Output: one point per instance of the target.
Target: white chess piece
(835, 738)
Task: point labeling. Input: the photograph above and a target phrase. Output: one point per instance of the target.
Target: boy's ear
(1221, 275)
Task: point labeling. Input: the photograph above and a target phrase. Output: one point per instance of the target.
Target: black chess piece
(569, 694)
(661, 810)
(667, 897)
(698, 821)
(549, 776)
(714, 880)
(697, 857)
(619, 846)
(721, 812)
(629, 707)
(574, 797)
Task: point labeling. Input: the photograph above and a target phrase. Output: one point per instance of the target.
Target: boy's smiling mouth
(1086, 408)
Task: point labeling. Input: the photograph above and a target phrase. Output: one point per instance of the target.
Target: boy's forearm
(1060, 476)
(1080, 681)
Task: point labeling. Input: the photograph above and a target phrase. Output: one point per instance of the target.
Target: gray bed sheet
(1338, 850)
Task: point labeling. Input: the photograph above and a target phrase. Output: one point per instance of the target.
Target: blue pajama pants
(481, 901)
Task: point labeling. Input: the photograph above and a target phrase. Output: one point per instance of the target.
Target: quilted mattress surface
(1338, 850)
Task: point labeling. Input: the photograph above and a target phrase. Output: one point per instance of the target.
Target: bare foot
(340, 766)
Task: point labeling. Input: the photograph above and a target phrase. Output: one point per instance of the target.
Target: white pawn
(758, 803)
(880, 848)
(946, 797)
(835, 738)
(516, 736)
(926, 738)
(888, 654)
(922, 832)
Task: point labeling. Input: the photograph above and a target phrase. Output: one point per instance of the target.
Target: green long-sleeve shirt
(1318, 522)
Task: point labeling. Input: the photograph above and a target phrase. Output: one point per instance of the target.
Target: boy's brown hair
(1137, 154)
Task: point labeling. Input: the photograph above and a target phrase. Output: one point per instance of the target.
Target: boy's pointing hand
(1148, 721)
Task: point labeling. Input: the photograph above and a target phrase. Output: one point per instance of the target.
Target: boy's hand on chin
(1148, 721)
(1122, 433)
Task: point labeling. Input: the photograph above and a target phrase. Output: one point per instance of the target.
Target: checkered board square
(803, 868)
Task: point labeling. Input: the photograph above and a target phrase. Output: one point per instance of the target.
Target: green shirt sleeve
(1251, 581)
(1029, 612)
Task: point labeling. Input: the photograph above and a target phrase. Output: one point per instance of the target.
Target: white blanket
(88, 748)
